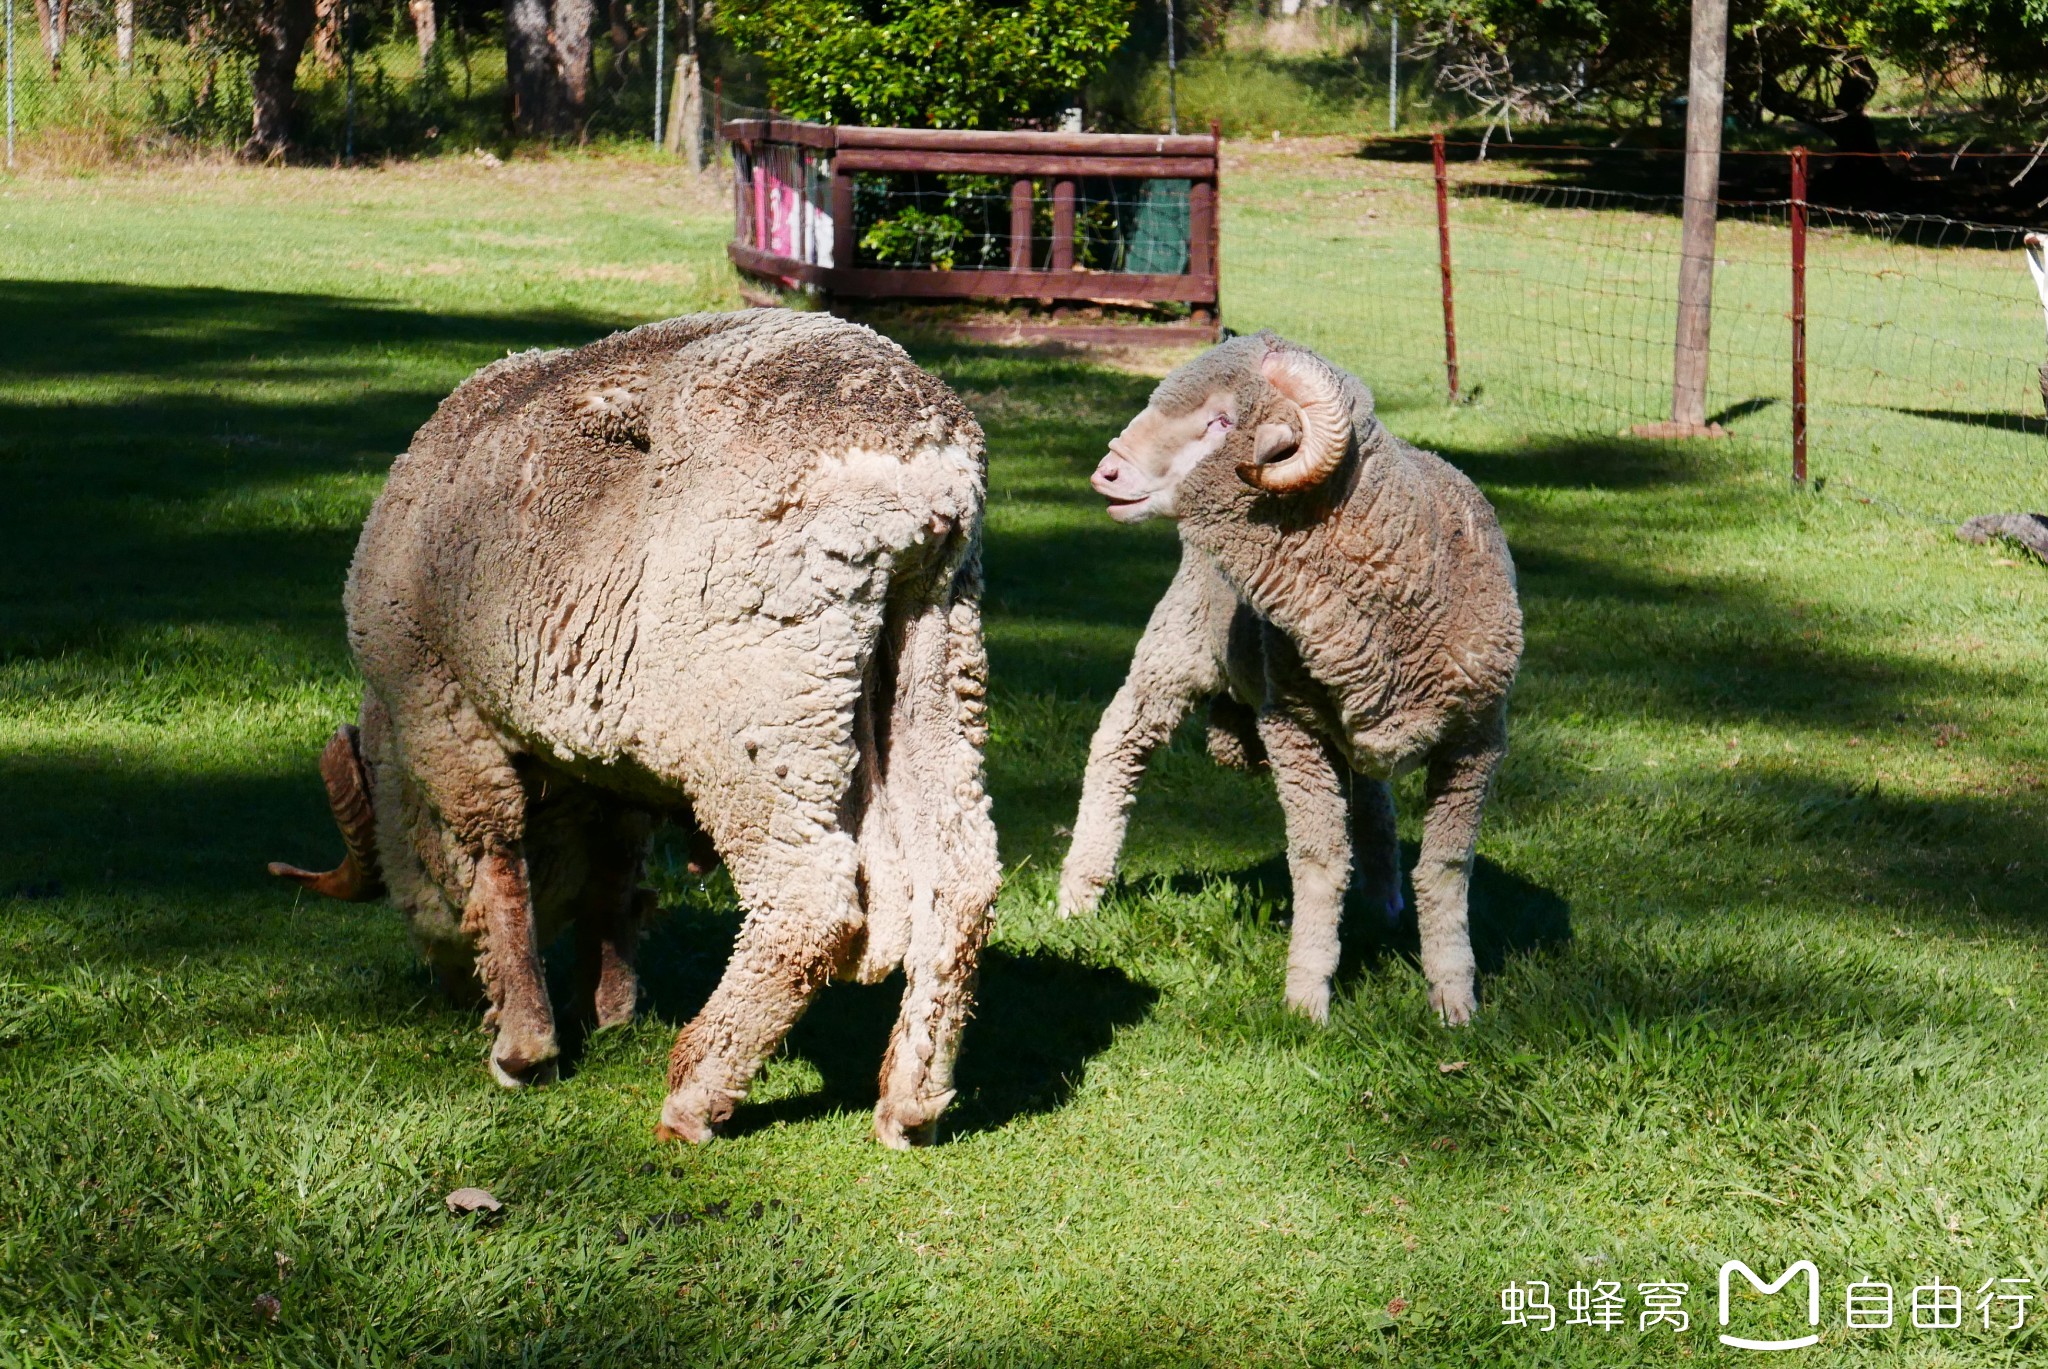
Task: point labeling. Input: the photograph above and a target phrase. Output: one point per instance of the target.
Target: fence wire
(1925, 336)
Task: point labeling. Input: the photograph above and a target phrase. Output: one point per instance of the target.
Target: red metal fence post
(1443, 242)
(1799, 317)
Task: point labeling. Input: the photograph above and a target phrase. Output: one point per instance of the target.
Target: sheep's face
(1154, 453)
(1141, 476)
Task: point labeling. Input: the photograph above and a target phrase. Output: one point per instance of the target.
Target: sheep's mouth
(1124, 510)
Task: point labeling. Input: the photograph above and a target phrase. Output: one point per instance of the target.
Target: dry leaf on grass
(472, 1200)
(1451, 1067)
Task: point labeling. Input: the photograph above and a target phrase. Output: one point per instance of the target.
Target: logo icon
(1766, 1289)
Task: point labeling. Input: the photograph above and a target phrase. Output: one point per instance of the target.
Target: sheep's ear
(1272, 442)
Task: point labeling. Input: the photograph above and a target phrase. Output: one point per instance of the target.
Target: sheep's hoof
(1311, 1001)
(692, 1114)
(903, 1126)
(1078, 898)
(1454, 1003)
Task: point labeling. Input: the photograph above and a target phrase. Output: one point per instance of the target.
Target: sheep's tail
(357, 879)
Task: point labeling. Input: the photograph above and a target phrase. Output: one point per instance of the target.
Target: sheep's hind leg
(803, 915)
(1457, 783)
(940, 811)
(1309, 780)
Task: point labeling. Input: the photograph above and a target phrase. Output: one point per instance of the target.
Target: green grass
(1758, 900)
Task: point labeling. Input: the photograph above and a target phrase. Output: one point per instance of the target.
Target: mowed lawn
(1759, 897)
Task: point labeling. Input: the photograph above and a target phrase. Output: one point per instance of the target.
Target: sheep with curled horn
(722, 571)
(1346, 603)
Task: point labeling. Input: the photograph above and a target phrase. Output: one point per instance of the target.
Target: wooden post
(1215, 214)
(1062, 225)
(842, 222)
(1443, 253)
(1020, 225)
(686, 112)
(1705, 87)
(1799, 317)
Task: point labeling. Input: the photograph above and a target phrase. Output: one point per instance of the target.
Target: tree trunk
(572, 24)
(197, 31)
(52, 17)
(124, 33)
(423, 25)
(547, 64)
(686, 113)
(621, 33)
(529, 66)
(327, 35)
(281, 30)
(1705, 88)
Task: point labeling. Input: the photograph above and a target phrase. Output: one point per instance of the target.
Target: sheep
(1348, 603)
(722, 570)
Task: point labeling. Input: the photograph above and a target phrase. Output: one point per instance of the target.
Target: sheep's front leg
(467, 782)
(1458, 780)
(500, 913)
(1178, 660)
(1310, 781)
(611, 912)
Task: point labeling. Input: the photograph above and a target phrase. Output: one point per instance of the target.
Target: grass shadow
(1510, 916)
(2007, 422)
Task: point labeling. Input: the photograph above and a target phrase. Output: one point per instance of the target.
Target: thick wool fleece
(1393, 633)
(723, 569)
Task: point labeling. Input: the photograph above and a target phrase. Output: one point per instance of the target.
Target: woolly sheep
(1348, 603)
(725, 571)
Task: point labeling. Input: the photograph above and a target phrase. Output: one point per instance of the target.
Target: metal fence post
(1394, 71)
(660, 64)
(1172, 75)
(348, 57)
(10, 85)
(1443, 247)
(1799, 317)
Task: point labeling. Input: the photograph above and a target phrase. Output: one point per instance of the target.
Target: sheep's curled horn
(357, 879)
(1325, 427)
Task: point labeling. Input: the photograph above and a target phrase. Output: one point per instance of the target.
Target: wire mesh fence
(1924, 333)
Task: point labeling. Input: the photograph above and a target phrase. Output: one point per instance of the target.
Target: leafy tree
(926, 63)
(1815, 61)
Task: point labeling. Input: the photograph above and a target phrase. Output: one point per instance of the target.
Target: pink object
(760, 205)
(783, 210)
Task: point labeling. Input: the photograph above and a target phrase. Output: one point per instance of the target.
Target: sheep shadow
(1038, 1020)
(1510, 916)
